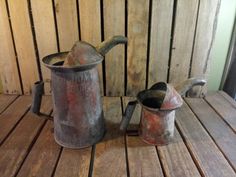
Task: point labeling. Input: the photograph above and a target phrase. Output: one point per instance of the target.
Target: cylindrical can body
(78, 116)
(157, 128)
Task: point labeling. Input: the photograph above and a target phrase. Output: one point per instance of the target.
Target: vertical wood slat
(45, 34)
(186, 15)
(138, 16)
(114, 24)
(161, 21)
(206, 28)
(10, 82)
(90, 27)
(19, 14)
(67, 23)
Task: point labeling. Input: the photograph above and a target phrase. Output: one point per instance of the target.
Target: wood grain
(160, 37)
(222, 134)
(114, 24)
(10, 80)
(12, 115)
(185, 22)
(138, 18)
(205, 32)
(142, 158)
(205, 152)
(67, 23)
(223, 107)
(17, 145)
(43, 156)
(90, 27)
(74, 163)
(228, 98)
(109, 157)
(176, 159)
(23, 38)
(45, 35)
(5, 101)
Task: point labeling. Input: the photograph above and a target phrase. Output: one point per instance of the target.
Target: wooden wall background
(168, 40)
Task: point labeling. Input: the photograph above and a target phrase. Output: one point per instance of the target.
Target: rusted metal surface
(78, 114)
(158, 110)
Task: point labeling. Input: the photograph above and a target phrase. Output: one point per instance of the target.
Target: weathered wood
(43, 156)
(228, 98)
(205, 152)
(223, 107)
(10, 80)
(176, 159)
(45, 35)
(109, 157)
(142, 158)
(138, 18)
(90, 27)
(67, 23)
(114, 24)
(185, 22)
(222, 134)
(5, 101)
(206, 28)
(11, 116)
(74, 163)
(17, 145)
(160, 35)
(23, 38)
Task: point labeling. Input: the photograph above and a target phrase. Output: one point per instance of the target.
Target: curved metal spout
(106, 45)
(188, 84)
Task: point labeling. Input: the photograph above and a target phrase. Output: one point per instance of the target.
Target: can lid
(82, 53)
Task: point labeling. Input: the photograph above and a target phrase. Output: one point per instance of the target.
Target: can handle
(37, 94)
(127, 115)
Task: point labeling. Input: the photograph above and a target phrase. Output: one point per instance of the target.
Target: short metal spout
(37, 97)
(108, 44)
(188, 84)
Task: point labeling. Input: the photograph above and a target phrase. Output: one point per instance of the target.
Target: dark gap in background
(148, 42)
(172, 37)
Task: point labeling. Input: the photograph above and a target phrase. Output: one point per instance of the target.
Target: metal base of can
(71, 146)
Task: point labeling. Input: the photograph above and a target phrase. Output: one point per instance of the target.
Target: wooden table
(204, 144)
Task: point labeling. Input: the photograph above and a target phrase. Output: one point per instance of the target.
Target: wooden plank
(90, 27)
(160, 40)
(186, 15)
(143, 159)
(138, 19)
(18, 144)
(67, 23)
(222, 134)
(228, 98)
(23, 38)
(12, 115)
(223, 107)
(109, 157)
(206, 28)
(114, 24)
(45, 35)
(74, 163)
(176, 159)
(206, 154)
(5, 101)
(43, 156)
(10, 80)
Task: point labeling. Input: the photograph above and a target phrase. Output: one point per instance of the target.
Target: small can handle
(37, 93)
(127, 115)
